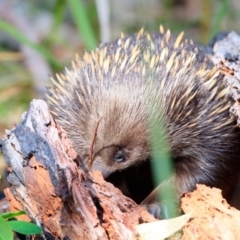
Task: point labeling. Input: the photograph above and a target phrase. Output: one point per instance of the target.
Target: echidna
(104, 101)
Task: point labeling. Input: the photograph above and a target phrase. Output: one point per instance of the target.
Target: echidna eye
(120, 155)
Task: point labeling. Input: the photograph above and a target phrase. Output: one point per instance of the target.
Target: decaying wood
(227, 58)
(211, 216)
(55, 192)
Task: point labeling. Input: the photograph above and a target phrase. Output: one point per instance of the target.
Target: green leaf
(26, 228)
(5, 231)
(8, 215)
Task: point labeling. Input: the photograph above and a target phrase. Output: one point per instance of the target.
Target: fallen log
(50, 185)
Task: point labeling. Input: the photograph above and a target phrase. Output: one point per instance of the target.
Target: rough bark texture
(227, 57)
(211, 216)
(48, 183)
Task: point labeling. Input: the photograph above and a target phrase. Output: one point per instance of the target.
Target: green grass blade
(162, 165)
(82, 23)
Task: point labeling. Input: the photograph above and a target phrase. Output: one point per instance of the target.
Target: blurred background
(39, 37)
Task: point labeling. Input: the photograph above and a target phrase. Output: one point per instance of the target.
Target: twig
(91, 147)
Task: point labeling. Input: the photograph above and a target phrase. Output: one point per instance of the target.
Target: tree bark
(48, 183)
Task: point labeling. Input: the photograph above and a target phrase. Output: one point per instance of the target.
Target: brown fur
(121, 83)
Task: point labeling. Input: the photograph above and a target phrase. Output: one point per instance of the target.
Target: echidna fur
(119, 83)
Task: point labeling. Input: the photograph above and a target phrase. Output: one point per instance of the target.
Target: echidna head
(113, 131)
